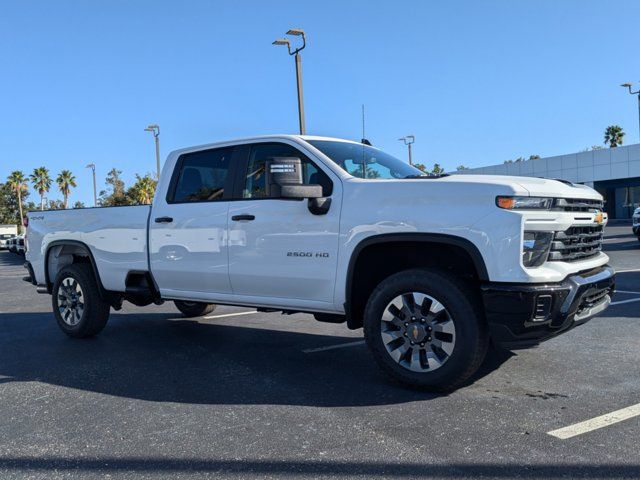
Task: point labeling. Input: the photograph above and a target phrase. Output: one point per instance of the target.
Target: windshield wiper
(425, 176)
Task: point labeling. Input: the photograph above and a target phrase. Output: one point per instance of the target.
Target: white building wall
(581, 167)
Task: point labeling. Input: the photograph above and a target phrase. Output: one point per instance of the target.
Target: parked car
(20, 245)
(636, 222)
(6, 232)
(12, 244)
(432, 267)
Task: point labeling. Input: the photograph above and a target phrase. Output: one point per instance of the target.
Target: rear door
(278, 249)
(188, 228)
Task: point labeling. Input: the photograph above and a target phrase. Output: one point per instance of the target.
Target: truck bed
(116, 237)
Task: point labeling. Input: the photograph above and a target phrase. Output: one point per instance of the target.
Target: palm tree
(143, 190)
(613, 135)
(65, 182)
(18, 183)
(41, 182)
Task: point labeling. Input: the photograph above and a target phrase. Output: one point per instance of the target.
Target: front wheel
(425, 329)
(194, 309)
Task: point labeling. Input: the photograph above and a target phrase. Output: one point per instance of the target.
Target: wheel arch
(450, 243)
(71, 251)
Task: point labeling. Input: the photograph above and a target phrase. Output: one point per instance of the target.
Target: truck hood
(535, 187)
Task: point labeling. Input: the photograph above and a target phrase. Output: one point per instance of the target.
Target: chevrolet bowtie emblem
(599, 218)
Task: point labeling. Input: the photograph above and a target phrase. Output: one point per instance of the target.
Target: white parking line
(629, 270)
(626, 301)
(333, 347)
(231, 314)
(596, 423)
(627, 291)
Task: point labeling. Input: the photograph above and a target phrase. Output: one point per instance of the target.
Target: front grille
(578, 205)
(576, 243)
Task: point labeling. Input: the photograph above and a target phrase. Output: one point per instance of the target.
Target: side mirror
(284, 180)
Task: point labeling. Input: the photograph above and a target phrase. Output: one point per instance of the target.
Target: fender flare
(61, 243)
(467, 245)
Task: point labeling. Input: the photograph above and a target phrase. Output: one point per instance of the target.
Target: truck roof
(260, 137)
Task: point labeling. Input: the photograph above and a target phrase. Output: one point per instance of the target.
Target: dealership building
(614, 172)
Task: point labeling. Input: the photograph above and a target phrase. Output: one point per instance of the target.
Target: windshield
(363, 161)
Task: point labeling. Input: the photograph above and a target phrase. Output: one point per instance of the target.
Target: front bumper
(523, 315)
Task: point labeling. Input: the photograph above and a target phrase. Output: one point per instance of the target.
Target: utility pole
(408, 141)
(155, 129)
(92, 166)
(298, 59)
(637, 92)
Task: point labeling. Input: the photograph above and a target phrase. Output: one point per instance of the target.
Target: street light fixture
(155, 129)
(408, 140)
(92, 166)
(297, 32)
(637, 92)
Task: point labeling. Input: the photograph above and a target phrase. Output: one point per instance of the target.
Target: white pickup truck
(433, 268)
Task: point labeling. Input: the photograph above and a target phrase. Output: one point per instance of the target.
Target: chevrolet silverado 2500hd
(433, 268)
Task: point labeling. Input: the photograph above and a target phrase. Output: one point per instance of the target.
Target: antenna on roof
(364, 138)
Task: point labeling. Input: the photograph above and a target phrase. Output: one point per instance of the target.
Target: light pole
(637, 92)
(92, 166)
(298, 58)
(408, 140)
(155, 129)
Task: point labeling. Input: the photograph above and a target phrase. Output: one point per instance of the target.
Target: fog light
(535, 248)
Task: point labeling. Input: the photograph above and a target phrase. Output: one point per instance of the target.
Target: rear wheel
(425, 329)
(194, 309)
(77, 306)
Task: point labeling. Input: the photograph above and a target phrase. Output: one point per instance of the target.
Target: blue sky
(476, 82)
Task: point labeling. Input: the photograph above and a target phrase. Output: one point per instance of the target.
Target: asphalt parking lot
(250, 395)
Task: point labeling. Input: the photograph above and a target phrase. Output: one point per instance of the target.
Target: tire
(447, 324)
(77, 306)
(194, 309)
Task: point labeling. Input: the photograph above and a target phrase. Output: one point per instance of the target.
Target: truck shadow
(154, 358)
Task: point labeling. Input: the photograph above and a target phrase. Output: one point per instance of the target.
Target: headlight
(524, 203)
(535, 248)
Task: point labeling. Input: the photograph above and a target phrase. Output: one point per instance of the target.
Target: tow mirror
(284, 180)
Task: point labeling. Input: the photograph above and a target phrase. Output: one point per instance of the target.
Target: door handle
(163, 220)
(237, 218)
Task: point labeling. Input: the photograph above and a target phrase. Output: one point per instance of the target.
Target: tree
(65, 182)
(17, 182)
(437, 169)
(115, 194)
(461, 167)
(534, 157)
(613, 136)
(143, 190)
(41, 182)
(55, 205)
(78, 204)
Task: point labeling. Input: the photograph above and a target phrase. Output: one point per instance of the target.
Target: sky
(476, 82)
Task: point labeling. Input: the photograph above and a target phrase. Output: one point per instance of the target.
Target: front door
(277, 247)
(188, 228)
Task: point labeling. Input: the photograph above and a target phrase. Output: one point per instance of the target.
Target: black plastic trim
(463, 243)
(49, 283)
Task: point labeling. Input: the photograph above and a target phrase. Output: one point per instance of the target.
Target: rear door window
(202, 176)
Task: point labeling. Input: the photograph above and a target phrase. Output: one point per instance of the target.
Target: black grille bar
(576, 243)
(578, 205)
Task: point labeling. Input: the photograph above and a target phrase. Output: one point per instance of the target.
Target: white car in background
(636, 222)
(21, 249)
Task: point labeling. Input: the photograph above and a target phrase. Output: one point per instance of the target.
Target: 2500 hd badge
(308, 254)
